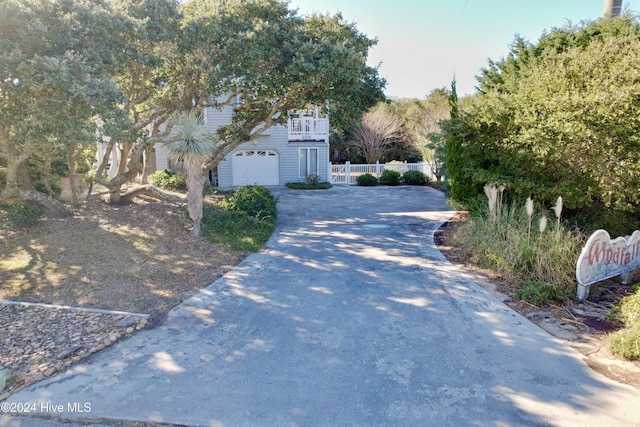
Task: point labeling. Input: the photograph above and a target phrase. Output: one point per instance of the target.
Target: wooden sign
(602, 258)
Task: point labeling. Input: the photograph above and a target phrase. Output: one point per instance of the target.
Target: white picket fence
(348, 173)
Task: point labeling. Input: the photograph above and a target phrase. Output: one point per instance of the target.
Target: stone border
(79, 309)
(42, 339)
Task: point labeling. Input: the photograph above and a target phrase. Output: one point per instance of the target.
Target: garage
(256, 167)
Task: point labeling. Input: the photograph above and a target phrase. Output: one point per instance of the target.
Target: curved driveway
(349, 317)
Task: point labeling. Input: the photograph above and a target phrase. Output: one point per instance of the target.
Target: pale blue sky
(422, 43)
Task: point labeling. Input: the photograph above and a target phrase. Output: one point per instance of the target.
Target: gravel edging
(38, 340)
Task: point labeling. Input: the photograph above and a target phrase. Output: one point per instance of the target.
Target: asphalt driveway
(349, 317)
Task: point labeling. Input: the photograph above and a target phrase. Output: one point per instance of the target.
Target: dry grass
(137, 258)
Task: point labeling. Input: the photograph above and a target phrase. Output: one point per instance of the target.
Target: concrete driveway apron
(350, 316)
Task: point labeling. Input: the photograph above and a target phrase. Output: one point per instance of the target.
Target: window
(308, 162)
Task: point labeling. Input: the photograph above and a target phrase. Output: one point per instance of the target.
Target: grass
(236, 229)
(626, 342)
(511, 240)
(19, 214)
(540, 293)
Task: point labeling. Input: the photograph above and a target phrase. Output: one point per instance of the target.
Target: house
(284, 153)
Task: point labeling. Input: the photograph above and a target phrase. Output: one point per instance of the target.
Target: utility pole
(612, 8)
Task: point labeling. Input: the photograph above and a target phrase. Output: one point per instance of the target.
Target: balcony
(308, 127)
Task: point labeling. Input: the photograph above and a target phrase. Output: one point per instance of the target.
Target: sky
(423, 44)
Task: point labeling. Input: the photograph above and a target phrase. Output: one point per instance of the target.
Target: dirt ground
(137, 258)
(583, 325)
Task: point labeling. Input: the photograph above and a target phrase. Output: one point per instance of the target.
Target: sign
(602, 258)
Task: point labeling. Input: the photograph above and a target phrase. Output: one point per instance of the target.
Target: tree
(565, 126)
(266, 60)
(133, 63)
(422, 120)
(460, 174)
(376, 132)
(154, 83)
(191, 144)
(54, 77)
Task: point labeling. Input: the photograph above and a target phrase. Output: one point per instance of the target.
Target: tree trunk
(195, 181)
(128, 168)
(50, 203)
(46, 172)
(146, 164)
(71, 164)
(150, 190)
(18, 185)
(114, 195)
(17, 176)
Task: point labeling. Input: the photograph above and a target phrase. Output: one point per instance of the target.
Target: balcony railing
(308, 128)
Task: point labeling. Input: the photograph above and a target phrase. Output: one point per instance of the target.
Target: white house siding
(216, 117)
(289, 161)
(288, 153)
(275, 138)
(162, 158)
(225, 173)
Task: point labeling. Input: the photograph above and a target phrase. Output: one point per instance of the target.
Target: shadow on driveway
(350, 316)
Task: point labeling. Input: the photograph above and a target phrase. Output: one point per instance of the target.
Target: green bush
(541, 293)
(626, 342)
(169, 179)
(414, 178)
(390, 177)
(367, 180)
(512, 244)
(235, 229)
(19, 214)
(543, 122)
(306, 186)
(254, 200)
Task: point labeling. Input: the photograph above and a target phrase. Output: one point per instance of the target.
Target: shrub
(19, 214)
(254, 200)
(540, 293)
(516, 245)
(626, 342)
(522, 129)
(235, 229)
(367, 180)
(313, 179)
(390, 177)
(414, 178)
(208, 188)
(306, 186)
(169, 179)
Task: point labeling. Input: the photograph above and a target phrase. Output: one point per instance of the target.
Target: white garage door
(256, 167)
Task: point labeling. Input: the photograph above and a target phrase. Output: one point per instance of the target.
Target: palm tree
(190, 141)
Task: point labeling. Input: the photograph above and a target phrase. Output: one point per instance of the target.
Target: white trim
(308, 166)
